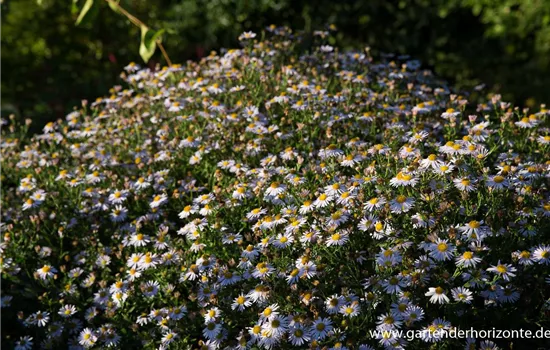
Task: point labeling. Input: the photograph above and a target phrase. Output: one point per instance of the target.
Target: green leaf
(74, 7)
(148, 42)
(114, 5)
(88, 11)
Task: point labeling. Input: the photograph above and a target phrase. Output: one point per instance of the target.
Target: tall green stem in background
(150, 39)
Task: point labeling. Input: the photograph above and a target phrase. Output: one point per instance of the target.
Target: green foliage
(523, 19)
(88, 12)
(267, 190)
(148, 44)
(50, 64)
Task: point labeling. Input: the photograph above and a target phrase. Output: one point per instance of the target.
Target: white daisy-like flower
(87, 338)
(67, 310)
(467, 259)
(401, 204)
(450, 113)
(541, 254)
(350, 310)
(320, 328)
(431, 162)
(337, 239)
(437, 295)
(158, 200)
(497, 182)
(464, 184)
(375, 203)
(247, 36)
(46, 271)
(323, 200)
(275, 189)
(505, 271)
(462, 295)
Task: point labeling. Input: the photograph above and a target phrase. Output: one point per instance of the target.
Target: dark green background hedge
(49, 65)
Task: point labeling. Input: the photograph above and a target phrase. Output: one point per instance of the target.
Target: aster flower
(158, 200)
(467, 259)
(441, 250)
(337, 239)
(505, 271)
(462, 295)
(322, 201)
(350, 310)
(46, 271)
(298, 335)
(320, 328)
(541, 254)
(497, 182)
(464, 184)
(240, 303)
(67, 310)
(431, 162)
(87, 338)
(24, 343)
(437, 295)
(375, 203)
(403, 179)
(401, 204)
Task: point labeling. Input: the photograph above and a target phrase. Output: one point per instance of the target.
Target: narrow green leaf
(148, 42)
(74, 7)
(113, 5)
(87, 12)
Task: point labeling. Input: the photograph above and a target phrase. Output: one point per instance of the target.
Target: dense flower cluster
(264, 199)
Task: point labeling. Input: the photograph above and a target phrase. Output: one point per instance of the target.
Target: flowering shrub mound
(268, 199)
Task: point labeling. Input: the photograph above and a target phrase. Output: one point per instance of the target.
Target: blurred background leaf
(148, 42)
(49, 64)
(88, 12)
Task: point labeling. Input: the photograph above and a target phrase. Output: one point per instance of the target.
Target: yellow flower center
(474, 224)
(442, 247)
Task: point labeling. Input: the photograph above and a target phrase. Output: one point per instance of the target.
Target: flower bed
(271, 198)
